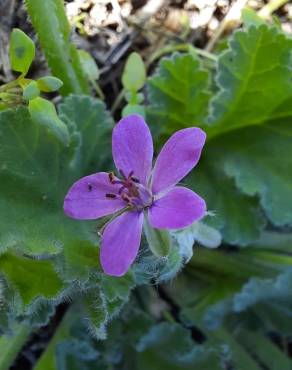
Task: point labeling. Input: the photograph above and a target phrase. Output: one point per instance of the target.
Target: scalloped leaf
(236, 215)
(254, 104)
(170, 346)
(178, 93)
(248, 132)
(34, 175)
(31, 278)
(94, 124)
(259, 162)
(37, 169)
(254, 80)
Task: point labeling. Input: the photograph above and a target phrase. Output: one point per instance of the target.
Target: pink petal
(132, 147)
(179, 208)
(177, 158)
(87, 200)
(120, 243)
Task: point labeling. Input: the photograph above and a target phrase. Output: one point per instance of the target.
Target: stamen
(111, 177)
(121, 189)
(110, 195)
(89, 186)
(131, 174)
(133, 178)
(123, 174)
(126, 197)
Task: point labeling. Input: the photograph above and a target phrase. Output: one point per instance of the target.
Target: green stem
(9, 85)
(272, 6)
(118, 213)
(118, 101)
(180, 47)
(47, 361)
(158, 54)
(11, 345)
(98, 89)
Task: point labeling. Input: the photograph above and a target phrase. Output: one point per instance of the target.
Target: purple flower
(141, 191)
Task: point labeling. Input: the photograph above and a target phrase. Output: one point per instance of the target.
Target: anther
(121, 189)
(122, 174)
(117, 182)
(111, 177)
(126, 197)
(133, 178)
(89, 186)
(111, 196)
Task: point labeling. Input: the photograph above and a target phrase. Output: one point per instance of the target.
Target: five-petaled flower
(141, 191)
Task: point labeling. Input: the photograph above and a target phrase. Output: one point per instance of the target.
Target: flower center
(131, 191)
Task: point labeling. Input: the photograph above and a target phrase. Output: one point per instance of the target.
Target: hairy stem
(10, 345)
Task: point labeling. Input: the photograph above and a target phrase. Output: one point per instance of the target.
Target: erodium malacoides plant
(140, 191)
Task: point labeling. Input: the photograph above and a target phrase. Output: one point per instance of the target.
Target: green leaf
(114, 288)
(49, 83)
(31, 91)
(265, 350)
(94, 123)
(88, 64)
(197, 232)
(81, 257)
(253, 111)
(250, 117)
(149, 267)
(43, 112)
(21, 51)
(169, 346)
(259, 163)
(250, 18)
(159, 241)
(240, 358)
(31, 278)
(270, 290)
(254, 83)
(51, 24)
(35, 173)
(96, 313)
(236, 215)
(134, 75)
(178, 93)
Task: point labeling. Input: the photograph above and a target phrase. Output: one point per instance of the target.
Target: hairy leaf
(255, 83)
(94, 124)
(178, 93)
(30, 277)
(52, 26)
(248, 132)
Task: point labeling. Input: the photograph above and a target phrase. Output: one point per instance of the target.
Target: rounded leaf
(44, 113)
(31, 91)
(134, 76)
(49, 83)
(88, 64)
(21, 51)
